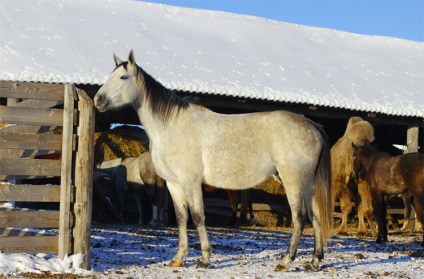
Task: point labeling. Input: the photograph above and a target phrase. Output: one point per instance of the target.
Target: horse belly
(242, 174)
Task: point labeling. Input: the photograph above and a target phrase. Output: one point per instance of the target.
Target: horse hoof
(341, 233)
(203, 265)
(361, 234)
(381, 240)
(280, 268)
(175, 263)
(310, 267)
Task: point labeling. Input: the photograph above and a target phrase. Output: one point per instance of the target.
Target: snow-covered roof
(211, 52)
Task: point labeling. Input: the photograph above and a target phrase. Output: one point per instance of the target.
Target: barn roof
(211, 52)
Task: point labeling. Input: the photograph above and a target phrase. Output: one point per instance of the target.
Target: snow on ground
(130, 251)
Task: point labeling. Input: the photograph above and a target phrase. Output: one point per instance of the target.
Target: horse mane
(163, 102)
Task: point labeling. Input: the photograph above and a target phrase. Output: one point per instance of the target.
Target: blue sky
(395, 18)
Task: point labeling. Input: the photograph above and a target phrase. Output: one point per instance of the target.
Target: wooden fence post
(66, 171)
(84, 178)
(412, 146)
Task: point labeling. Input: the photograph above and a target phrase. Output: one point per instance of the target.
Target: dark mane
(163, 102)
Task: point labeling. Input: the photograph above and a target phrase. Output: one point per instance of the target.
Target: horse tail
(322, 187)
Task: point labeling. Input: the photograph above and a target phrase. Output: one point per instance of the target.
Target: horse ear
(117, 60)
(131, 58)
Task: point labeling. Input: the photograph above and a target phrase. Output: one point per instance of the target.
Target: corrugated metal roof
(212, 53)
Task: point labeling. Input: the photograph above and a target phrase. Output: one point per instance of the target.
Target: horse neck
(158, 106)
(370, 158)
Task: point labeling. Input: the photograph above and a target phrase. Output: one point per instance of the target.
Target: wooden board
(29, 193)
(30, 90)
(31, 116)
(31, 141)
(37, 167)
(29, 218)
(29, 244)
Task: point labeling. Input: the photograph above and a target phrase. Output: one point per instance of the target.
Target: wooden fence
(46, 132)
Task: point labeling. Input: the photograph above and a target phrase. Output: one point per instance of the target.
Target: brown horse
(359, 132)
(388, 175)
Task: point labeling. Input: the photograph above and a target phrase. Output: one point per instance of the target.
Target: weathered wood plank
(24, 232)
(31, 116)
(29, 244)
(31, 141)
(37, 167)
(29, 219)
(29, 193)
(66, 171)
(30, 90)
(84, 178)
(31, 103)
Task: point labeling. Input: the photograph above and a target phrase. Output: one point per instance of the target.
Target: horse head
(120, 89)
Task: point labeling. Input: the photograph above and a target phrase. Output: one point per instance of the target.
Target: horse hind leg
(406, 198)
(418, 206)
(345, 208)
(299, 214)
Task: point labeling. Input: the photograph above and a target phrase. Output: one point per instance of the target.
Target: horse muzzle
(101, 103)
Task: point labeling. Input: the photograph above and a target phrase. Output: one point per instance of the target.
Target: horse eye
(124, 77)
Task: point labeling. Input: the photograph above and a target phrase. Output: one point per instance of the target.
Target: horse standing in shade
(130, 176)
(390, 175)
(191, 145)
(359, 132)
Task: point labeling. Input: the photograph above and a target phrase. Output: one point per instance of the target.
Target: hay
(121, 142)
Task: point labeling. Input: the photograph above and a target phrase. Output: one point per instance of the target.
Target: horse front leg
(180, 205)
(380, 213)
(195, 201)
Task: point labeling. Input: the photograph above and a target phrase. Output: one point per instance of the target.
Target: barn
(228, 62)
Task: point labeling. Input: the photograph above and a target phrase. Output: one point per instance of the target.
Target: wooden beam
(29, 193)
(31, 90)
(31, 116)
(412, 139)
(28, 244)
(412, 135)
(37, 167)
(29, 219)
(31, 141)
(66, 171)
(84, 178)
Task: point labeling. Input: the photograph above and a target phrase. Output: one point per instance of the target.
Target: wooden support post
(412, 146)
(66, 170)
(84, 178)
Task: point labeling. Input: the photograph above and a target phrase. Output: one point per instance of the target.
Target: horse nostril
(98, 99)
